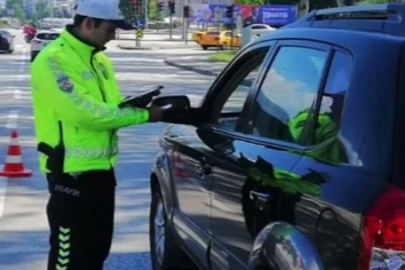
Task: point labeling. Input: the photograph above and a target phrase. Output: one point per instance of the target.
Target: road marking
(3, 188)
(12, 119)
(12, 124)
(18, 92)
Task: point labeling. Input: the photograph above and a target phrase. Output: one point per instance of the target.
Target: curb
(190, 68)
(132, 48)
(155, 40)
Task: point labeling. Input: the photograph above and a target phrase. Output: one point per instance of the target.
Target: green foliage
(3, 23)
(153, 12)
(42, 10)
(252, 2)
(18, 7)
(126, 7)
(371, 2)
(222, 56)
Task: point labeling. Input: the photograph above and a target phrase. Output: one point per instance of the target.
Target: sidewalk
(198, 64)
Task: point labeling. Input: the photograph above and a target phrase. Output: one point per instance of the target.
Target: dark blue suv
(292, 160)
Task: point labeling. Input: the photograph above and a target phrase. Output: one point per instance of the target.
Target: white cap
(108, 10)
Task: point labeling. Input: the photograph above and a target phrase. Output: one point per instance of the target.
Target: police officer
(75, 101)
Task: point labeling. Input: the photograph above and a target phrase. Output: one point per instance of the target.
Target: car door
(191, 178)
(193, 156)
(331, 189)
(248, 179)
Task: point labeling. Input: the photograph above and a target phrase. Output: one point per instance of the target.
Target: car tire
(10, 51)
(165, 253)
(204, 47)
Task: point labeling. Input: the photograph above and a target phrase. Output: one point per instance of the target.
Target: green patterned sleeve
(62, 87)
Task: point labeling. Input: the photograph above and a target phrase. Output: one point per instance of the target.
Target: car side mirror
(13, 36)
(177, 109)
(176, 101)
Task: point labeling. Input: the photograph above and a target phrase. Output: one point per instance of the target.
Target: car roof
(382, 21)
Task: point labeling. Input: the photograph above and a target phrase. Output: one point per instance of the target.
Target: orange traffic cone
(14, 166)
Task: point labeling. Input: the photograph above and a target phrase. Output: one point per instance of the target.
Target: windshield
(48, 36)
(5, 34)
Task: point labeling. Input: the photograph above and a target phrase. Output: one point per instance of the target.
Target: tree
(370, 2)
(126, 8)
(42, 10)
(18, 7)
(153, 12)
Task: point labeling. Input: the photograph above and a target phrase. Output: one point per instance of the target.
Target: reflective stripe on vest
(90, 152)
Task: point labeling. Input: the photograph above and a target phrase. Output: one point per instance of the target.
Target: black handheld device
(141, 100)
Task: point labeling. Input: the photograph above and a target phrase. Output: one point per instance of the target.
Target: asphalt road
(23, 225)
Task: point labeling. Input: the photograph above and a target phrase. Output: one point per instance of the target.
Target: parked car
(42, 39)
(7, 42)
(294, 157)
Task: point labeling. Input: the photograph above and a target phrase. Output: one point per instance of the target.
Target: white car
(41, 39)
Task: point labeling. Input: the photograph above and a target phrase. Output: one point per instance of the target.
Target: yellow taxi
(222, 39)
(198, 35)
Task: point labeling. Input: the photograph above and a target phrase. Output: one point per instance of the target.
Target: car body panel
(8, 41)
(42, 39)
(198, 35)
(320, 202)
(191, 217)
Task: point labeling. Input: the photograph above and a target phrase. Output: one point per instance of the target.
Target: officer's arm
(62, 86)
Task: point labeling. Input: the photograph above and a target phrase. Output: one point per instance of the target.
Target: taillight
(383, 235)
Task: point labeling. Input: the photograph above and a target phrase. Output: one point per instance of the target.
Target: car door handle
(261, 199)
(203, 168)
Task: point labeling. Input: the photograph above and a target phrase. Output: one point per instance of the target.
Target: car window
(5, 34)
(235, 102)
(213, 33)
(330, 111)
(47, 36)
(241, 85)
(259, 27)
(289, 90)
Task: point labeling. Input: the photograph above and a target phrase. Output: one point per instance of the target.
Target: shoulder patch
(64, 83)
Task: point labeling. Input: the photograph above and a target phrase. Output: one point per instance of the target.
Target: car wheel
(10, 51)
(204, 47)
(165, 254)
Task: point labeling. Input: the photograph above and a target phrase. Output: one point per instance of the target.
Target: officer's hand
(155, 113)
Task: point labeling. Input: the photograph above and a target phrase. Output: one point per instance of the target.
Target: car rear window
(5, 34)
(48, 36)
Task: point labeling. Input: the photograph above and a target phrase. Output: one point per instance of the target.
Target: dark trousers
(81, 219)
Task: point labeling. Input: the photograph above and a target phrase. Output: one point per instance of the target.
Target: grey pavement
(148, 36)
(156, 45)
(23, 224)
(198, 63)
